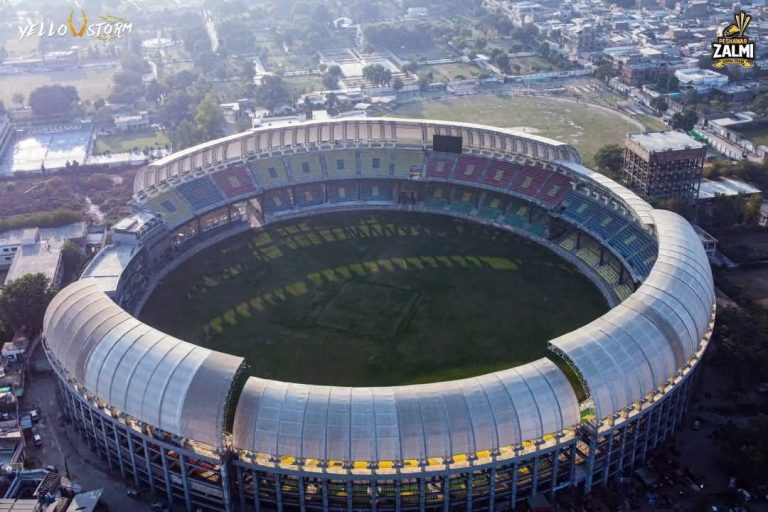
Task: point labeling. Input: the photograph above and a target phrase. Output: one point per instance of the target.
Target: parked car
(159, 506)
(132, 493)
(34, 415)
(38, 439)
(51, 468)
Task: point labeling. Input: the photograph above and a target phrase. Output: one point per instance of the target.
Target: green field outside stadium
(374, 299)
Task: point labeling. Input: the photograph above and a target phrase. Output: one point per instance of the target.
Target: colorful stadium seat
(341, 164)
(463, 200)
(269, 172)
(374, 162)
(234, 181)
(491, 206)
(440, 166)
(470, 168)
(437, 196)
(517, 217)
(500, 173)
(169, 203)
(555, 189)
(304, 166)
(406, 162)
(276, 201)
(342, 191)
(529, 180)
(377, 191)
(309, 194)
(201, 192)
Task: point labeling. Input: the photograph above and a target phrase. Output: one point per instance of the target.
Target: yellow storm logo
(83, 26)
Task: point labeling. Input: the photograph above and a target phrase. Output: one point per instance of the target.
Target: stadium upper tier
(329, 134)
(628, 359)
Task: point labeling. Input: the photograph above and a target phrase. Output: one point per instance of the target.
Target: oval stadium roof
(629, 353)
(160, 380)
(407, 422)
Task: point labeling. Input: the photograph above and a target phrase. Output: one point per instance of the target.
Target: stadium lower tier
(185, 475)
(605, 253)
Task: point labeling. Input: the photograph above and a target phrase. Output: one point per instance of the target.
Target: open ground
(587, 127)
(384, 299)
(91, 83)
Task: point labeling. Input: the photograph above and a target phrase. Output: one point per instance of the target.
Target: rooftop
(109, 263)
(725, 187)
(135, 222)
(68, 232)
(35, 258)
(696, 74)
(665, 141)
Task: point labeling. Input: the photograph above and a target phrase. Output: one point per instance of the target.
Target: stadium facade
(182, 420)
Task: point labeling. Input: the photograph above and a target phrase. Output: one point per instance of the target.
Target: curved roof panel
(419, 422)
(160, 380)
(643, 342)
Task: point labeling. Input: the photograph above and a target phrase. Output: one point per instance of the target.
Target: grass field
(380, 299)
(586, 127)
(531, 64)
(91, 83)
(431, 52)
(119, 143)
(302, 84)
(449, 72)
(757, 135)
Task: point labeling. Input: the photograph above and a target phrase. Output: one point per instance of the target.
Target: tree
(752, 209)
(103, 116)
(330, 81)
(685, 120)
(23, 302)
(398, 84)
(502, 61)
(185, 135)
(605, 70)
(209, 118)
(335, 70)
(176, 107)
(377, 74)
(53, 99)
(153, 91)
(242, 124)
(331, 101)
(18, 99)
(247, 70)
(128, 78)
(610, 159)
(71, 258)
(659, 104)
(272, 92)
(135, 63)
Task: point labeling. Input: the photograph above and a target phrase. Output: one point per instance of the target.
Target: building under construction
(663, 165)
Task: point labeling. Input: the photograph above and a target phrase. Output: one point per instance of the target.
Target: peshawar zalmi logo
(733, 46)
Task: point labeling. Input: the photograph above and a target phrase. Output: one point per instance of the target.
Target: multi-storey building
(663, 165)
